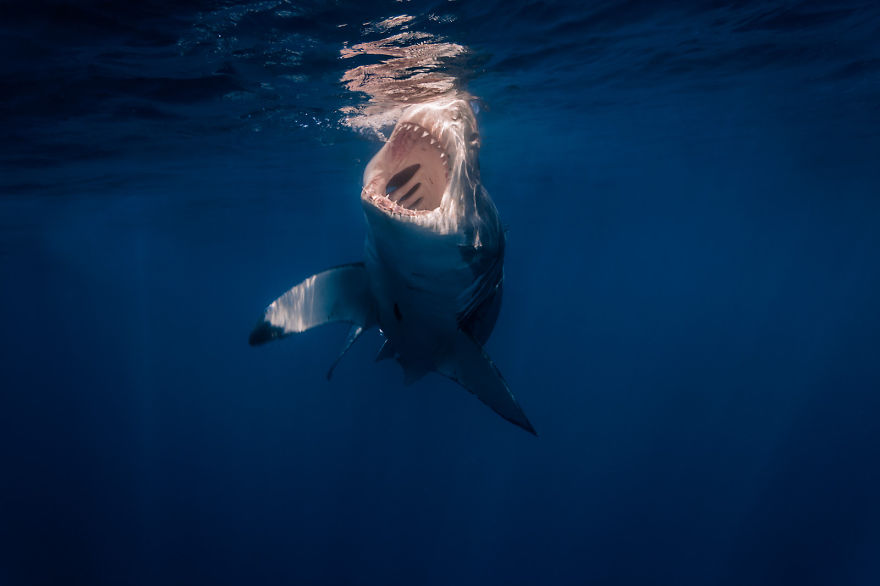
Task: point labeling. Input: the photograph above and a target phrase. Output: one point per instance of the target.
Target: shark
(432, 275)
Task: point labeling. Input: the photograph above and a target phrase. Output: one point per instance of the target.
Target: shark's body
(432, 276)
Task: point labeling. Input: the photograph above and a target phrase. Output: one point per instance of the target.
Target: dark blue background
(691, 315)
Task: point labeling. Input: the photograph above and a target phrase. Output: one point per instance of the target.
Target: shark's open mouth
(417, 171)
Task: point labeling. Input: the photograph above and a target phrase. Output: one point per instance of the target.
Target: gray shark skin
(433, 269)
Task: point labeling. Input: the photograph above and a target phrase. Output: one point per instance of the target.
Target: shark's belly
(423, 290)
(421, 286)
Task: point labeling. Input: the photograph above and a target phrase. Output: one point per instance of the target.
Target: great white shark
(432, 275)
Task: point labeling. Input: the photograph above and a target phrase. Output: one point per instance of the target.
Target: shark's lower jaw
(414, 172)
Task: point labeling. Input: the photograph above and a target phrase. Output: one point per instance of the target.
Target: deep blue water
(691, 316)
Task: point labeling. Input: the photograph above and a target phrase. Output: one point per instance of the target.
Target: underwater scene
(440, 292)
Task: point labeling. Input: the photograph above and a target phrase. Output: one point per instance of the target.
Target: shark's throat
(416, 171)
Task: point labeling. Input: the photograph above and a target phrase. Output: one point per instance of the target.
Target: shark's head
(427, 173)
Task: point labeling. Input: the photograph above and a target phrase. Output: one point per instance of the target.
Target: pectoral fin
(468, 365)
(340, 294)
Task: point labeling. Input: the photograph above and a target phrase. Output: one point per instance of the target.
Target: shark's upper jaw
(416, 171)
(411, 173)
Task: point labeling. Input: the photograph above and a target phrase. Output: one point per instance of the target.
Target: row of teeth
(415, 128)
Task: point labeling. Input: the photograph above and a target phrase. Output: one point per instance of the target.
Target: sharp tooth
(424, 134)
(442, 155)
(433, 141)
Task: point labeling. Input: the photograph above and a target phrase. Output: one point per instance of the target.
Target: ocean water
(691, 319)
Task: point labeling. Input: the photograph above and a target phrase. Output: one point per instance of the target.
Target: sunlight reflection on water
(411, 73)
